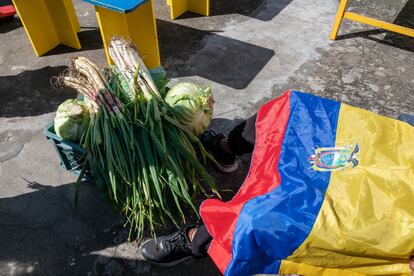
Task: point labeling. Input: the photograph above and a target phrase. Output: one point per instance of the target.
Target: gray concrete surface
(248, 51)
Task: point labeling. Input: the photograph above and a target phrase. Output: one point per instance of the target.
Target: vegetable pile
(71, 120)
(142, 148)
(193, 104)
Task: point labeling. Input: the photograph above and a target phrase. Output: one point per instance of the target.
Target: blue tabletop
(123, 6)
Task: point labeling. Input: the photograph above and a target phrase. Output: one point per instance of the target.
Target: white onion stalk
(127, 59)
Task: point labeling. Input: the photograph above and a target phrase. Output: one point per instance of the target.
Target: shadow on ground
(187, 51)
(264, 10)
(8, 25)
(405, 18)
(89, 38)
(30, 93)
(43, 234)
(260, 9)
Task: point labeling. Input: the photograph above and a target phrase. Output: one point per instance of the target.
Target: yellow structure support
(338, 19)
(365, 20)
(178, 7)
(138, 25)
(49, 23)
(72, 15)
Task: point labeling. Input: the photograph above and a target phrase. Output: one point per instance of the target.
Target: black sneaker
(226, 162)
(168, 250)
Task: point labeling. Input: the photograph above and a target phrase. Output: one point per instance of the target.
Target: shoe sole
(227, 168)
(170, 264)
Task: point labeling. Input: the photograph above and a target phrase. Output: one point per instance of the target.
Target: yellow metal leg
(338, 19)
(379, 24)
(178, 7)
(139, 26)
(199, 6)
(47, 23)
(72, 14)
(365, 20)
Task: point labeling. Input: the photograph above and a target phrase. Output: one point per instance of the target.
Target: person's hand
(412, 265)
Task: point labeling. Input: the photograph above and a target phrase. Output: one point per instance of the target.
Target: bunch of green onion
(139, 153)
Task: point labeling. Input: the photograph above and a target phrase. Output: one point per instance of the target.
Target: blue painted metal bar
(122, 6)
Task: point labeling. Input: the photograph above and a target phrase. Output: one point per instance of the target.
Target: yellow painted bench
(49, 23)
(178, 7)
(342, 13)
(133, 19)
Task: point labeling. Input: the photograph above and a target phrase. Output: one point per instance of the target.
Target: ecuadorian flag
(330, 191)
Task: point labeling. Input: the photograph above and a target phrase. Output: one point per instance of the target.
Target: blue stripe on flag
(272, 226)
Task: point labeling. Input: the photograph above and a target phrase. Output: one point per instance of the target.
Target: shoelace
(211, 132)
(214, 136)
(175, 242)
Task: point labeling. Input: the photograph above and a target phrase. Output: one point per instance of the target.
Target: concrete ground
(248, 51)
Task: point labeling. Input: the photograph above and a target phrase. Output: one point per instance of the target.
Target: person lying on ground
(195, 240)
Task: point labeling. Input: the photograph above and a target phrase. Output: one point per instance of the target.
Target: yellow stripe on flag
(289, 267)
(366, 222)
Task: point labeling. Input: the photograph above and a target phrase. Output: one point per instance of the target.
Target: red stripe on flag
(221, 218)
